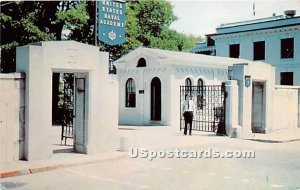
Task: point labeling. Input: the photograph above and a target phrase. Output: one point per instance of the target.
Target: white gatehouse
(150, 79)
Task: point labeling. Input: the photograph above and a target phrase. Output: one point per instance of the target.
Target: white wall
(12, 110)
(171, 76)
(286, 107)
(141, 114)
(259, 72)
(281, 109)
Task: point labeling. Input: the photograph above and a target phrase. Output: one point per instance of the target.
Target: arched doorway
(155, 99)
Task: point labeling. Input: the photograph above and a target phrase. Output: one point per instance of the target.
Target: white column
(231, 109)
(299, 107)
(246, 107)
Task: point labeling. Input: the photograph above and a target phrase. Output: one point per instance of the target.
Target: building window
(210, 41)
(200, 83)
(188, 86)
(200, 87)
(130, 93)
(200, 99)
(287, 48)
(259, 50)
(234, 50)
(286, 78)
(141, 62)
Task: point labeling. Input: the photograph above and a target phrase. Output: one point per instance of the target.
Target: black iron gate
(68, 107)
(210, 107)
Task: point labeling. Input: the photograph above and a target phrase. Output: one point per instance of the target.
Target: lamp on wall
(230, 72)
(80, 84)
(247, 80)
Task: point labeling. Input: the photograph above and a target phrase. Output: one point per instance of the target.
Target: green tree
(153, 19)
(26, 22)
(85, 33)
(147, 24)
(154, 16)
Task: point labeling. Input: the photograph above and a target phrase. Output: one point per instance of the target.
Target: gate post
(231, 109)
(299, 108)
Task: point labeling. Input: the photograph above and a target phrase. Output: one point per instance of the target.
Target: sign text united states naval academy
(111, 22)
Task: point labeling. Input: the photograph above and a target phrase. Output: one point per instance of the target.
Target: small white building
(150, 79)
(274, 40)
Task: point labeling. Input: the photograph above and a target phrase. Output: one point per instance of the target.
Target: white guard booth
(249, 106)
(96, 117)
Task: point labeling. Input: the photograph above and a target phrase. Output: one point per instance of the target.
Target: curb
(49, 168)
(274, 141)
(30, 171)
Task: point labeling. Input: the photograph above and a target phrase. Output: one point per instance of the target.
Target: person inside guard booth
(188, 109)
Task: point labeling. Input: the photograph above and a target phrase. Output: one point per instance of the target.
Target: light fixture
(230, 72)
(247, 81)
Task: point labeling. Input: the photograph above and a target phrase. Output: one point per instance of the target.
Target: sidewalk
(150, 137)
(280, 136)
(60, 160)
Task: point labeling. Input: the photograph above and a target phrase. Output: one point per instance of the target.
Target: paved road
(275, 166)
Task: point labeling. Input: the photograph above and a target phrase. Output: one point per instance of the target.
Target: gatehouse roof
(180, 58)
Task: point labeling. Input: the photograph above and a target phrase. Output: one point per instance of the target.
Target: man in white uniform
(188, 109)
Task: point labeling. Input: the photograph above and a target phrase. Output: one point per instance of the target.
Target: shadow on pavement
(11, 185)
(67, 150)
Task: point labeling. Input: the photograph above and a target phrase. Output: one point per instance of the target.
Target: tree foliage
(154, 16)
(147, 24)
(26, 22)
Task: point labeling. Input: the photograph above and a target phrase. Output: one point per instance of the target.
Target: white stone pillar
(244, 99)
(231, 109)
(247, 107)
(299, 107)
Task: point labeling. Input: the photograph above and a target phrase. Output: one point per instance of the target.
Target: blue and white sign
(111, 21)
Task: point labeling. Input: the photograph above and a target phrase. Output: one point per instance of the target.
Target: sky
(200, 17)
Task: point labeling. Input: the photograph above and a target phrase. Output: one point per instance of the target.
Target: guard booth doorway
(155, 99)
(258, 108)
(69, 112)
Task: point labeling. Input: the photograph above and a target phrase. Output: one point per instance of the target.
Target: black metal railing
(68, 108)
(210, 107)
